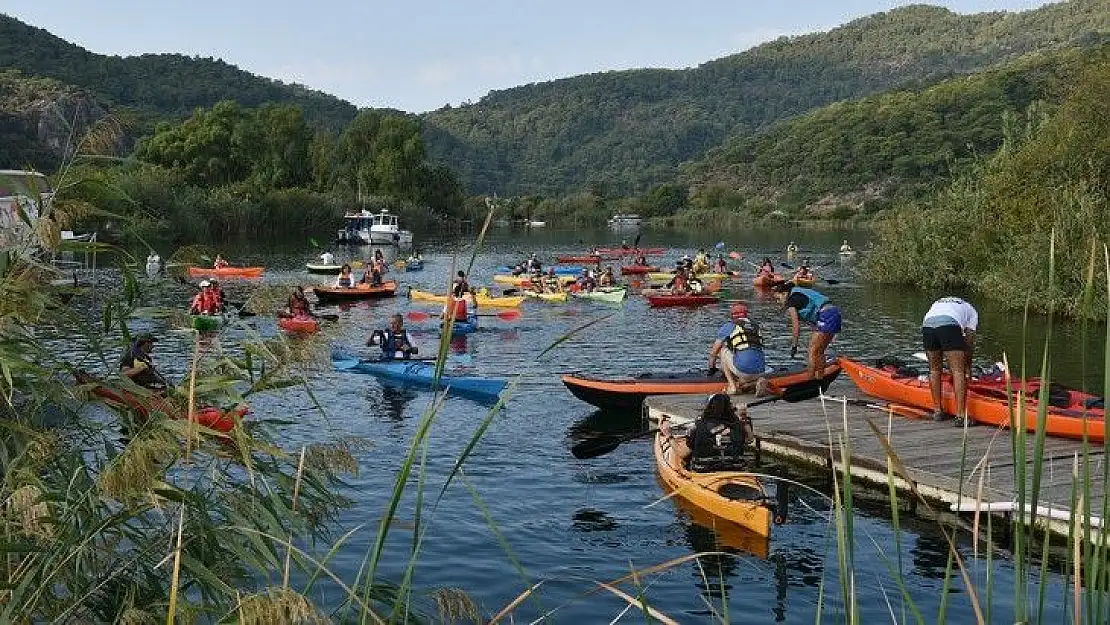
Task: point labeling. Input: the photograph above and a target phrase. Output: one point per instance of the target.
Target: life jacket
(743, 336)
(220, 264)
(298, 307)
(551, 282)
(816, 301)
(347, 281)
(457, 307)
(679, 282)
(717, 445)
(206, 303)
(391, 344)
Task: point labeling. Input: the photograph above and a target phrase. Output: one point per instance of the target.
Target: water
(572, 523)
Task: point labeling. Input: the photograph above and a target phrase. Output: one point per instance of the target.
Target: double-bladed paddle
(507, 315)
(602, 445)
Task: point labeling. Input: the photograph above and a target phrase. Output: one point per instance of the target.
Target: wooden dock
(811, 431)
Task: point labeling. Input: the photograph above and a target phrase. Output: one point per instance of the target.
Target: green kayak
(207, 323)
(609, 294)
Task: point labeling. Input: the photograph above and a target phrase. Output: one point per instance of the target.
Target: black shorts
(949, 338)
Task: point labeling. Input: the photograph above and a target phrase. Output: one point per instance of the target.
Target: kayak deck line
(800, 433)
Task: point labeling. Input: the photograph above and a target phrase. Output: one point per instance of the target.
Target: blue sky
(422, 54)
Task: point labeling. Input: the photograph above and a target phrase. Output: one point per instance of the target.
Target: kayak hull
(665, 276)
(665, 301)
(638, 270)
(421, 373)
(210, 417)
(483, 301)
(559, 271)
(461, 328)
(586, 258)
(643, 251)
(987, 403)
(609, 295)
(626, 394)
(547, 297)
(226, 272)
(298, 325)
(361, 291)
(747, 506)
(525, 280)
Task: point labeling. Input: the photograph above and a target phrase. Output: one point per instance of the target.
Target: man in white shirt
(948, 334)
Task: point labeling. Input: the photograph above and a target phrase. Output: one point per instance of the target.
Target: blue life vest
(816, 301)
(391, 343)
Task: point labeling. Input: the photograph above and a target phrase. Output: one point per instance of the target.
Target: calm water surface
(572, 523)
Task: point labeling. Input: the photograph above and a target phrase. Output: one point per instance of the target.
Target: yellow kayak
(525, 280)
(482, 300)
(549, 297)
(746, 504)
(666, 275)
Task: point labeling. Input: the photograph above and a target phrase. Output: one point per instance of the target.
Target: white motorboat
(619, 222)
(366, 228)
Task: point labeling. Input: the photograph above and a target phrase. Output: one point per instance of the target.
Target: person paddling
(394, 340)
(460, 284)
(739, 348)
(606, 278)
(845, 248)
(207, 302)
(298, 305)
(679, 284)
(219, 263)
(345, 279)
(948, 334)
(718, 438)
(137, 364)
(809, 306)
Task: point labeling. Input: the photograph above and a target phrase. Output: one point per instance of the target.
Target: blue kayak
(559, 270)
(421, 372)
(470, 326)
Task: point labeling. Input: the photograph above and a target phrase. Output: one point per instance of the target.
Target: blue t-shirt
(749, 361)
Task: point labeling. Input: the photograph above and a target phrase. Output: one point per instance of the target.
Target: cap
(738, 310)
(204, 283)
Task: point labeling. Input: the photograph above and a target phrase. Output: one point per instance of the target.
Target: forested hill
(624, 130)
(862, 155)
(158, 85)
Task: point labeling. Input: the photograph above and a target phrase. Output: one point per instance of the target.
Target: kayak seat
(739, 492)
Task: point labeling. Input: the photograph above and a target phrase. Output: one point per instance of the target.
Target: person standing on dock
(948, 334)
(808, 305)
(740, 350)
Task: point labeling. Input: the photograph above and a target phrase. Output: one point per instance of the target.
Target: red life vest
(458, 307)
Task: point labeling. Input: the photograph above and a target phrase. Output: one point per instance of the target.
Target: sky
(419, 55)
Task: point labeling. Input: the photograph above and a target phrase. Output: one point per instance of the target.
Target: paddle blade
(416, 315)
(596, 447)
(509, 315)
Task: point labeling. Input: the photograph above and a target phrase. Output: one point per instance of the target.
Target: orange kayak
(360, 291)
(764, 281)
(299, 325)
(629, 393)
(735, 496)
(1068, 414)
(210, 417)
(226, 272)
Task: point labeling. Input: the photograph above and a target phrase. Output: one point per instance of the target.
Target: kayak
(764, 281)
(422, 372)
(298, 325)
(643, 251)
(526, 280)
(567, 270)
(628, 393)
(662, 301)
(735, 496)
(804, 282)
(227, 272)
(459, 328)
(414, 265)
(586, 258)
(608, 294)
(1069, 414)
(207, 323)
(667, 275)
(481, 300)
(360, 291)
(210, 417)
(547, 297)
(638, 270)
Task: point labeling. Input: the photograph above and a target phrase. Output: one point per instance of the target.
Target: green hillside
(157, 85)
(868, 152)
(630, 129)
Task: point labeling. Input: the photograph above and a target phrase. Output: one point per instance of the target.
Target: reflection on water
(591, 520)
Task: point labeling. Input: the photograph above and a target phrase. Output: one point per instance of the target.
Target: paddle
(899, 409)
(507, 315)
(602, 445)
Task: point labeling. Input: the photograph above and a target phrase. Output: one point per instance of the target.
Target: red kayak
(299, 325)
(226, 272)
(643, 251)
(661, 301)
(637, 270)
(1069, 413)
(585, 259)
(210, 417)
